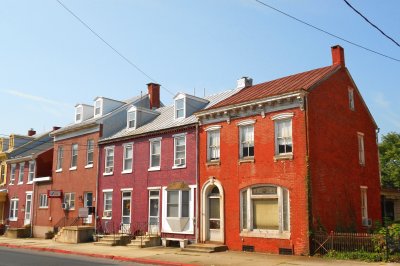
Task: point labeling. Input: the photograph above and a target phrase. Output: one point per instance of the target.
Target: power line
(326, 32)
(372, 24)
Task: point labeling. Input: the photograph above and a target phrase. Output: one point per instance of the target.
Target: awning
(3, 196)
(178, 185)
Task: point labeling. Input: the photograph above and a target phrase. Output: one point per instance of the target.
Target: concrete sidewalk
(171, 256)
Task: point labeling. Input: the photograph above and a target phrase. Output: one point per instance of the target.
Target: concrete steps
(113, 240)
(205, 248)
(145, 241)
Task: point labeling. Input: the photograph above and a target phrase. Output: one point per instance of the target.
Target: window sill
(43, 208)
(106, 218)
(178, 166)
(13, 219)
(108, 174)
(154, 169)
(20, 183)
(89, 166)
(266, 234)
(288, 156)
(11, 184)
(126, 172)
(59, 170)
(211, 163)
(246, 160)
(72, 168)
(30, 182)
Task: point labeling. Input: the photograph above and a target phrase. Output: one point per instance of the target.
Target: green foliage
(389, 150)
(386, 239)
(355, 255)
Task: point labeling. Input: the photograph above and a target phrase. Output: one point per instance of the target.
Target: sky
(49, 61)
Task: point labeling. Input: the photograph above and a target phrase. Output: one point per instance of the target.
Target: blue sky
(49, 62)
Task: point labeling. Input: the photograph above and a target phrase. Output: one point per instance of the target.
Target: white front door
(214, 215)
(88, 203)
(126, 211)
(154, 206)
(28, 208)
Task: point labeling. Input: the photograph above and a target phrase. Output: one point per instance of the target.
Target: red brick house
(148, 171)
(281, 159)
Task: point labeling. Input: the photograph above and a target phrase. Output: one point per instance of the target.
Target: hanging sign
(54, 193)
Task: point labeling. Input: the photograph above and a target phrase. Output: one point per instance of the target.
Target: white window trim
(241, 128)
(128, 171)
(14, 211)
(89, 165)
(73, 167)
(19, 173)
(40, 201)
(246, 122)
(209, 131)
(60, 148)
(155, 168)
(11, 170)
(105, 160)
(33, 173)
(126, 189)
(282, 116)
(100, 101)
(79, 109)
(104, 204)
(361, 149)
(179, 204)
(184, 107)
(176, 166)
(127, 118)
(69, 201)
(212, 128)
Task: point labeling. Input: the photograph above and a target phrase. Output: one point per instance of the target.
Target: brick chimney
(31, 132)
(154, 94)
(337, 55)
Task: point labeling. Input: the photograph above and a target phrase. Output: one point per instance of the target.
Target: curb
(95, 255)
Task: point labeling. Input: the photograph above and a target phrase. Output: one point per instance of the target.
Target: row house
(75, 164)
(30, 163)
(8, 146)
(285, 158)
(148, 171)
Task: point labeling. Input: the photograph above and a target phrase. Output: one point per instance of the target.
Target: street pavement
(172, 256)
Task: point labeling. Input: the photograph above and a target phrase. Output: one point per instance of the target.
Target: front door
(154, 219)
(88, 203)
(28, 208)
(126, 211)
(214, 215)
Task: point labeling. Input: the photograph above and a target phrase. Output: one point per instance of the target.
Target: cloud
(381, 100)
(36, 98)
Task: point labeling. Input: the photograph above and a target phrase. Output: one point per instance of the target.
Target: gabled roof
(33, 148)
(166, 120)
(293, 83)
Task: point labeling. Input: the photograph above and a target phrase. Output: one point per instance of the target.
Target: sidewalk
(171, 256)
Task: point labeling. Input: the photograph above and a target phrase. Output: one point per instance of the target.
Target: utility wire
(372, 24)
(326, 32)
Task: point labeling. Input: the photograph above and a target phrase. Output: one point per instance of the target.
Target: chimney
(337, 55)
(154, 93)
(31, 132)
(56, 128)
(244, 82)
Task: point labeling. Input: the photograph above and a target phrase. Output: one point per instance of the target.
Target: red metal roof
(279, 86)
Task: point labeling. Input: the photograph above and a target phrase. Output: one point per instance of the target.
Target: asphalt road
(17, 257)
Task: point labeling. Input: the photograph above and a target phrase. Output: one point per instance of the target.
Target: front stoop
(205, 248)
(145, 241)
(113, 240)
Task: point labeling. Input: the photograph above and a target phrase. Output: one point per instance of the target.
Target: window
(177, 204)
(60, 156)
(364, 204)
(361, 152)
(264, 208)
(180, 108)
(283, 137)
(131, 119)
(213, 152)
(3, 173)
(31, 174)
(88, 199)
(246, 141)
(180, 151)
(351, 99)
(78, 114)
(128, 158)
(107, 204)
(12, 174)
(89, 154)
(74, 155)
(13, 209)
(109, 160)
(69, 200)
(43, 201)
(97, 107)
(21, 173)
(155, 153)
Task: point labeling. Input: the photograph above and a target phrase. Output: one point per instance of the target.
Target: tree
(389, 150)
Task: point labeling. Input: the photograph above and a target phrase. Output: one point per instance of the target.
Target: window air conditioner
(367, 222)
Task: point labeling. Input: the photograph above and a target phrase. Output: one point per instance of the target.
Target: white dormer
(138, 116)
(185, 105)
(83, 112)
(103, 105)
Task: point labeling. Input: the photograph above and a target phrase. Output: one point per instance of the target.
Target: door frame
(30, 207)
(122, 206)
(206, 189)
(158, 214)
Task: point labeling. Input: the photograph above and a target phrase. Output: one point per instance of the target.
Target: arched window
(265, 209)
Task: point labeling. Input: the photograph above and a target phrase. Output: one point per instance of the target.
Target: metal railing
(67, 221)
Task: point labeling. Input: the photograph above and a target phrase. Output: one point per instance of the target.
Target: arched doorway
(212, 211)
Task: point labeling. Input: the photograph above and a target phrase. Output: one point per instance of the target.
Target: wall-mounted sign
(54, 193)
(83, 212)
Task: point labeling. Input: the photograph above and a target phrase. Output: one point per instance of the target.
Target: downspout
(33, 205)
(197, 185)
(308, 175)
(97, 187)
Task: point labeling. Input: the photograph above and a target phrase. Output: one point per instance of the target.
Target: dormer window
(78, 114)
(97, 107)
(131, 119)
(180, 108)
